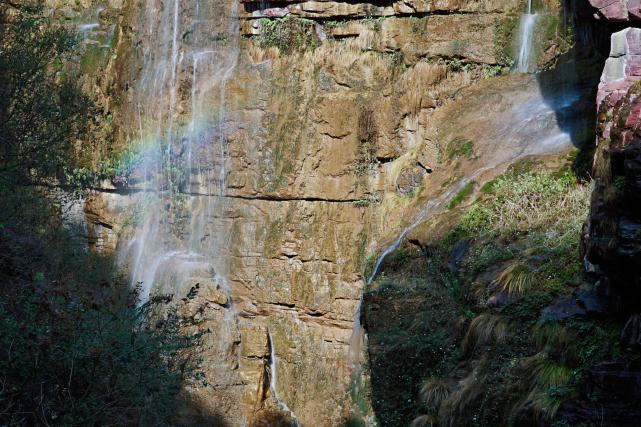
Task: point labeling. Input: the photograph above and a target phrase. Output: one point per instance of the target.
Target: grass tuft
(433, 392)
(483, 330)
(516, 278)
(424, 421)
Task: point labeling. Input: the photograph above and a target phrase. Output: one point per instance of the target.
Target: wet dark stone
(592, 302)
(610, 396)
(458, 253)
(564, 309)
(631, 334)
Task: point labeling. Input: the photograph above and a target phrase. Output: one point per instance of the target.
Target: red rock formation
(612, 240)
(618, 10)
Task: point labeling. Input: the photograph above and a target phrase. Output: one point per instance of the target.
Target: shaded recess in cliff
(570, 86)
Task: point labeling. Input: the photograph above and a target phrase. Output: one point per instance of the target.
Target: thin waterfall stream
(273, 382)
(526, 34)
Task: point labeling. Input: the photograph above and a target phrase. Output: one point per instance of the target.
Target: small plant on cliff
(367, 200)
(460, 147)
(288, 34)
(504, 36)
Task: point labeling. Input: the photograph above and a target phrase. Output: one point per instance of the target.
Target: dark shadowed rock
(610, 396)
(631, 334)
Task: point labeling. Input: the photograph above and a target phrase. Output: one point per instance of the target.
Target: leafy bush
(42, 116)
(460, 147)
(73, 359)
(75, 349)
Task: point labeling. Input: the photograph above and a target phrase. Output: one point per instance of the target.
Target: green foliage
(460, 147)
(521, 255)
(75, 348)
(619, 182)
(487, 255)
(461, 195)
(41, 116)
(69, 359)
(122, 163)
(367, 163)
(555, 30)
(530, 201)
(492, 70)
(457, 64)
(397, 58)
(288, 34)
(332, 23)
(374, 23)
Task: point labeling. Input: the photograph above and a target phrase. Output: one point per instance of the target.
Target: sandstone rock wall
(331, 150)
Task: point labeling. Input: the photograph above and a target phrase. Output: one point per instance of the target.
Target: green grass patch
(461, 195)
(460, 148)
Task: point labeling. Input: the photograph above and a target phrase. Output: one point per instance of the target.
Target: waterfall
(177, 162)
(180, 145)
(526, 32)
(272, 381)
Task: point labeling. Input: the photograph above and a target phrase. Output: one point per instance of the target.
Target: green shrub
(42, 116)
(72, 361)
(288, 34)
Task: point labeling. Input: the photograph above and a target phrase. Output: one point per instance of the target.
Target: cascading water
(272, 381)
(181, 144)
(526, 33)
(179, 166)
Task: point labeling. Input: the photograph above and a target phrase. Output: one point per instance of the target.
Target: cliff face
(612, 231)
(324, 129)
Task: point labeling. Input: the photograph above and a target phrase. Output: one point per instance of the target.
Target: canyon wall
(338, 122)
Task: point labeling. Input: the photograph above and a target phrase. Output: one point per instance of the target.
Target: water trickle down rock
(526, 33)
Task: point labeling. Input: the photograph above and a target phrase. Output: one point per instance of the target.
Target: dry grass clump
(469, 388)
(424, 421)
(415, 83)
(516, 278)
(483, 330)
(552, 338)
(433, 392)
